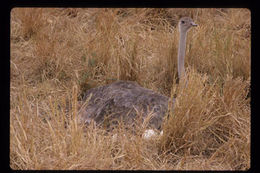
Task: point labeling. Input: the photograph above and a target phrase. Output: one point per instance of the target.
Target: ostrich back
(124, 100)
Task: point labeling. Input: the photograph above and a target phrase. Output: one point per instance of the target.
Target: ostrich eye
(182, 22)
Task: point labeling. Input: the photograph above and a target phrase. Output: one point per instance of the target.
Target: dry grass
(57, 54)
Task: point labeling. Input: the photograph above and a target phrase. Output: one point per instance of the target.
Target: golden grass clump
(206, 120)
(57, 54)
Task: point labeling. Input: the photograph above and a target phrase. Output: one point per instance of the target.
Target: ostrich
(125, 99)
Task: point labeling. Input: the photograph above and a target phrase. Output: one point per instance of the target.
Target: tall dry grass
(57, 54)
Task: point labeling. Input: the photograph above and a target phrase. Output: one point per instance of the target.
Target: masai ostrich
(126, 99)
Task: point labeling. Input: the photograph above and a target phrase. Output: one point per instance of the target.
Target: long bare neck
(181, 54)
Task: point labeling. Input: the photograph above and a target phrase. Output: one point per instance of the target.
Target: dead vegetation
(58, 54)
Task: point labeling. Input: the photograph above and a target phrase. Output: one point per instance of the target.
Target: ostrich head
(185, 24)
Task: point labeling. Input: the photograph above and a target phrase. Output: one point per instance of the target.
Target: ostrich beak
(193, 24)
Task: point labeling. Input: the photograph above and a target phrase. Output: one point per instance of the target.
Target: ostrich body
(126, 99)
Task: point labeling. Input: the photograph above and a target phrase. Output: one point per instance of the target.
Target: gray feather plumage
(123, 99)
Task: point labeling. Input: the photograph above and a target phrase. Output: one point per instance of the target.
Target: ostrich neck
(181, 54)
